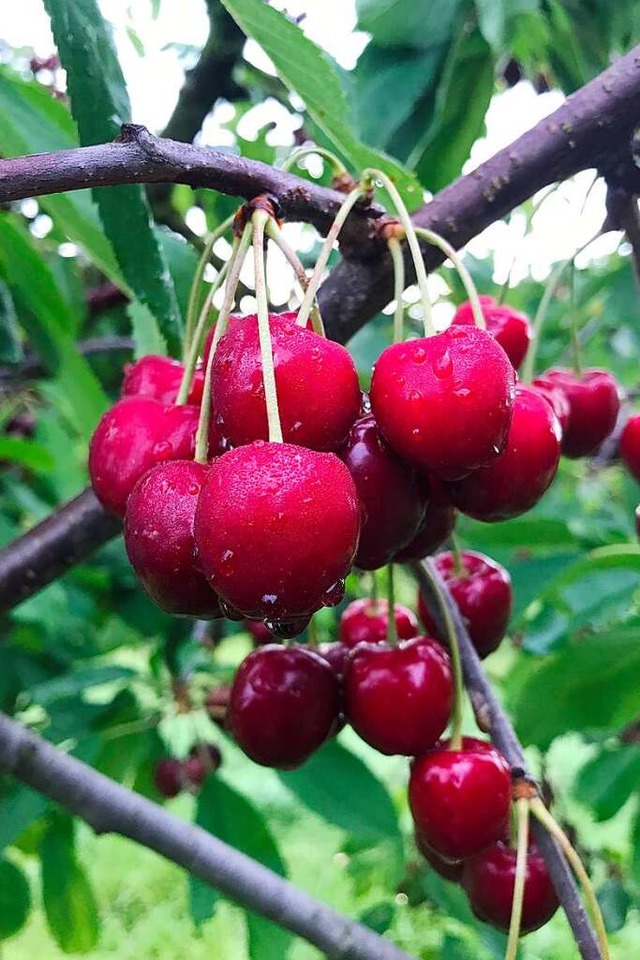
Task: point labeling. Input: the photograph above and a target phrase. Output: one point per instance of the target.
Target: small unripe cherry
(510, 327)
(367, 621)
(167, 776)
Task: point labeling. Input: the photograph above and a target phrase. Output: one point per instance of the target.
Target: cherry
(630, 446)
(158, 535)
(336, 656)
(316, 382)
(449, 869)
(259, 631)
(235, 319)
(482, 590)
(167, 777)
(276, 529)
(444, 402)
(389, 490)
(217, 703)
(556, 397)
(435, 527)
(399, 699)
(460, 798)
(284, 704)
(367, 621)
(134, 435)
(594, 402)
(160, 379)
(510, 328)
(514, 482)
(203, 759)
(489, 879)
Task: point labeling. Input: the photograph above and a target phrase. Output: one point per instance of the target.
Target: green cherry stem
(236, 262)
(259, 220)
(273, 231)
(395, 250)
(541, 813)
(470, 288)
(522, 815)
(392, 630)
(458, 566)
(198, 336)
(194, 293)
(575, 337)
(454, 653)
(412, 240)
(336, 164)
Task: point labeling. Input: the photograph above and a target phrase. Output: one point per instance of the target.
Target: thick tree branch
(496, 723)
(109, 807)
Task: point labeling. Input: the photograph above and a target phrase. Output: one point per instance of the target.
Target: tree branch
(496, 723)
(109, 807)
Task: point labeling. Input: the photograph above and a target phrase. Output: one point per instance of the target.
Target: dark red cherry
(444, 402)
(134, 435)
(259, 631)
(482, 590)
(556, 397)
(160, 379)
(203, 759)
(316, 382)
(630, 446)
(276, 529)
(510, 328)
(284, 704)
(435, 527)
(399, 699)
(336, 656)
(367, 621)
(448, 869)
(460, 799)
(167, 777)
(514, 482)
(393, 503)
(158, 535)
(489, 879)
(594, 402)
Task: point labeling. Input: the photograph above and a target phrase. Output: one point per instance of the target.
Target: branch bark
(109, 807)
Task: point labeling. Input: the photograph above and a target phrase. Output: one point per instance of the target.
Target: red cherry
(556, 397)
(510, 328)
(389, 490)
(483, 593)
(259, 631)
(167, 777)
(489, 879)
(448, 869)
(134, 435)
(277, 529)
(445, 402)
(203, 759)
(594, 402)
(336, 656)
(235, 319)
(160, 379)
(316, 381)
(367, 621)
(399, 699)
(158, 535)
(435, 527)
(284, 704)
(514, 482)
(630, 446)
(460, 799)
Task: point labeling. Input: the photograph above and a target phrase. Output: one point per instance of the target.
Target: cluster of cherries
(172, 776)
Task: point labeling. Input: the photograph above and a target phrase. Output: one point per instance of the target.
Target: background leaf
(15, 899)
(68, 900)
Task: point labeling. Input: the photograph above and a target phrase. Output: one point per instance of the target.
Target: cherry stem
(575, 339)
(395, 250)
(392, 629)
(412, 240)
(373, 593)
(458, 565)
(274, 233)
(194, 293)
(236, 262)
(325, 252)
(470, 288)
(454, 651)
(522, 814)
(551, 826)
(313, 632)
(198, 336)
(337, 164)
(259, 220)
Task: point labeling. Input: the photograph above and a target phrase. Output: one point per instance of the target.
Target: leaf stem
(522, 813)
(194, 293)
(395, 250)
(437, 241)
(259, 220)
(454, 651)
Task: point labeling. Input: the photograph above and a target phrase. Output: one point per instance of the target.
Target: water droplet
(287, 629)
(161, 448)
(462, 392)
(415, 396)
(334, 594)
(193, 489)
(419, 355)
(443, 366)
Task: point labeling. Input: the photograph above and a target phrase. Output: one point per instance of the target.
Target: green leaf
(76, 682)
(614, 902)
(99, 103)
(15, 899)
(10, 345)
(304, 68)
(27, 453)
(360, 804)
(608, 780)
(67, 898)
(146, 333)
(407, 23)
(44, 317)
(19, 808)
(492, 20)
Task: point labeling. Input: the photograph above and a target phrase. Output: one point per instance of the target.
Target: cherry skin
(392, 501)
(489, 879)
(367, 621)
(483, 593)
(514, 482)
(336, 656)
(235, 319)
(460, 799)
(556, 397)
(284, 704)
(630, 446)
(448, 869)
(134, 435)
(594, 402)
(160, 378)
(259, 631)
(276, 529)
(158, 535)
(168, 778)
(510, 327)
(316, 383)
(444, 403)
(399, 699)
(436, 526)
